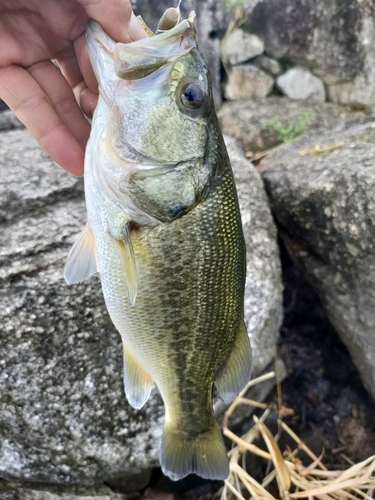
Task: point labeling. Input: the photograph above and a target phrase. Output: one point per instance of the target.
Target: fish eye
(192, 96)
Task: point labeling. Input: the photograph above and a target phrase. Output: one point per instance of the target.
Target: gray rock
(211, 22)
(263, 123)
(247, 81)
(63, 415)
(9, 121)
(321, 187)
(335, 39)
(3, 106)
(299, 83)
(269, 65)
(241, 46)
(51, 492)
(263, 290)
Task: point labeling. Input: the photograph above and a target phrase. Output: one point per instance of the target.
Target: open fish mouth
(140, 58)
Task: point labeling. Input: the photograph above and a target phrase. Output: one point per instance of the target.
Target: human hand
(44, 97)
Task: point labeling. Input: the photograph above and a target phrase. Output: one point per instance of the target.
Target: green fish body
(164, 232)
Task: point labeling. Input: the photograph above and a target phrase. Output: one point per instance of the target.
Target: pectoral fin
(81, 262)
(235, 373)
(137, 382)
(127, 258)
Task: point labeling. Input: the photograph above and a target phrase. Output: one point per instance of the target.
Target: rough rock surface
(321, 188)
(335, 39)
(253, 122)
(12, 492)
(247, 81)
(268, 64)
(299, 83)
(241, 46)
(63, 414)
(8, 120)
(263, 307)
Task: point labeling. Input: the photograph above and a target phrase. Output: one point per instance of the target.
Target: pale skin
(47, 99)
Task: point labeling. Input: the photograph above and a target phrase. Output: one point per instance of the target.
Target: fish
(164, 233)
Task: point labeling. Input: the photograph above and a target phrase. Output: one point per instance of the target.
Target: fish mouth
(143, 57)
(135, 60)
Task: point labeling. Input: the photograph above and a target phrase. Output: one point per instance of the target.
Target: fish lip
(142, 57)
(185, 27)
(95, 32)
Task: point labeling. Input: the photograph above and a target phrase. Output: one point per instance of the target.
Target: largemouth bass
(164, 232)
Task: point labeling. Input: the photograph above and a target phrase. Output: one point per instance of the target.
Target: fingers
(76, 68)
(75, 65)
(116, 18)
(60, 94)
(82, 57)
(48, 112)
(87, 101)
(42, 95)
(120, 23)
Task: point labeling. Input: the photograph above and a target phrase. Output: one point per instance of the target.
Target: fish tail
(203, 454)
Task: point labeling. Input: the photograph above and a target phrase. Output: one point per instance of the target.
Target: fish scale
(164, 231)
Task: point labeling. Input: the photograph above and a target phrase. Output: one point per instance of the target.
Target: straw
(293, 478)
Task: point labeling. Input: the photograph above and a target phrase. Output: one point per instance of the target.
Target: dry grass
(286, 474)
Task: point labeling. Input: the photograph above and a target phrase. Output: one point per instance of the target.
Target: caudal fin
(204, 454)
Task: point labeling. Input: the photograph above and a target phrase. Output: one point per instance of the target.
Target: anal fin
(236, 372)
(81, 263)
(137, 382)
(127, 258)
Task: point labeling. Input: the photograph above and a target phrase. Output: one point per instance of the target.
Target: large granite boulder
(321, 188)
(63, 414)
(336, 40)
(263, 289)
